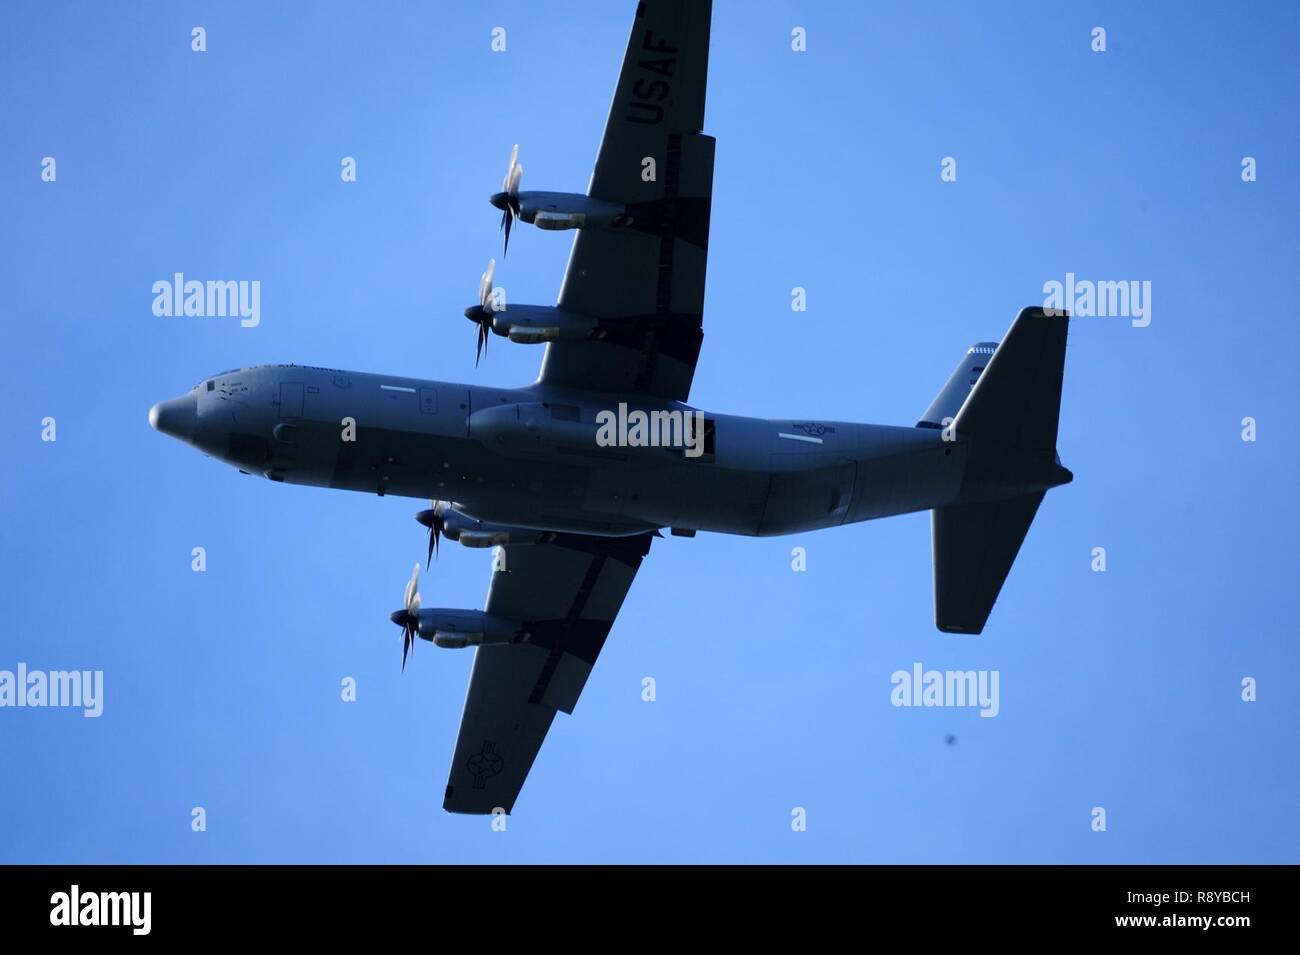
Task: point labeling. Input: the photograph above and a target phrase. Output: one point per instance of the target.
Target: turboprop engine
(533, 324)
(524, 324)
(454, 629)
(449, 628)
(444, 520)
(552, 211)
(558, 211)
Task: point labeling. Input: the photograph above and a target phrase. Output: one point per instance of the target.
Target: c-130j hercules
(523, 469)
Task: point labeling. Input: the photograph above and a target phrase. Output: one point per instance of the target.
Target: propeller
(481, 314)
(507, 200)
(408, 617)
(437, 524)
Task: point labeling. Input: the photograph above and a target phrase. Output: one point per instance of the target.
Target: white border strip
(798, 437)
(396, 388)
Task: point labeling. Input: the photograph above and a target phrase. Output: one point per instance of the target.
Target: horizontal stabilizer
(974, 547)
(948, 402)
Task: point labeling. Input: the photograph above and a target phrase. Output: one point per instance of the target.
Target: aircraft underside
(572, 476)
(510, 457)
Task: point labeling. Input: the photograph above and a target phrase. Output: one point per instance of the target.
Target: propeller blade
(485, 283)
(432, 519)
(413, 588)
(510, 195)
(408, 622)
(408, 617)
(514, 161)
(483, 315)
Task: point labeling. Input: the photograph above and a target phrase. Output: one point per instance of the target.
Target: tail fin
(1017, 401)
(1010, 421)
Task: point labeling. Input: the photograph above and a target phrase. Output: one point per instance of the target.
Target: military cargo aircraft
(574, 475)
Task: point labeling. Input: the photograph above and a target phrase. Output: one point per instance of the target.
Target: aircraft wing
(567, 593)
(646, 280)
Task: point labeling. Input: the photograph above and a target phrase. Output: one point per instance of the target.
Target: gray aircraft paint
(517, 456)
(524, 466)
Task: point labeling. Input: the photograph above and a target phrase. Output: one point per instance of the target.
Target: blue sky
(1118, 689)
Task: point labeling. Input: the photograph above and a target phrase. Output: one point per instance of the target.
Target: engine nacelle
(469, 532)
(686, 216)
(557, 211)
(535, 324)
(531, 324)
(462, 628)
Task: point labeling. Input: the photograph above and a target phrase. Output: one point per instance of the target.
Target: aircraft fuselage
(533, 457)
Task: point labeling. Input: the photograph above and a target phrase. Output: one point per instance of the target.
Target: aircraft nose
(178, 417)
